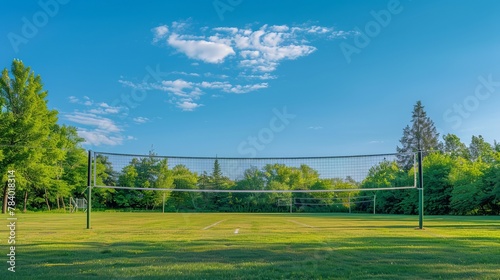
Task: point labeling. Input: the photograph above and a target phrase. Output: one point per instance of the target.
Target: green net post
(89, 187)
(420, 192)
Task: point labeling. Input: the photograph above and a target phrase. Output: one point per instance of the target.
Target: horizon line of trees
(51, 167)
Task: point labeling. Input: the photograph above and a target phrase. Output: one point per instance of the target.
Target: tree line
(51, 166)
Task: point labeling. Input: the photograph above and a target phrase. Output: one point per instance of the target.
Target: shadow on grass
(349, 258)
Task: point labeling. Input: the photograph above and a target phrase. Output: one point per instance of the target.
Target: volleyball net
(242, 184)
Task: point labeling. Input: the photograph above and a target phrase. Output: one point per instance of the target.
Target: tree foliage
(25, 126)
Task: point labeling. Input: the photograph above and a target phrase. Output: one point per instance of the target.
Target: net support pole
(420, 192)
(89, 187)
(349, 203)
(374, 203)
(163, 209)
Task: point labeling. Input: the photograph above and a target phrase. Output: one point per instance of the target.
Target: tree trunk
(4, 205)
(25, 200)
(47, 199)
(64, 205)
(57, 200)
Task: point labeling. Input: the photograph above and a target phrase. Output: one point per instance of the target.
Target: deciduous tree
(25, 120)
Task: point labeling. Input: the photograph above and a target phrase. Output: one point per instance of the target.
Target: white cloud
(180, 25)
(315, 127)
(141, 86)
(255, 53)
(206, 51)
(265, 76)
(73, 99)
(95, 123)
(215, 76)
(93, 120)
(186, 74)
(229, 88)
(250, 54)
(188, 106)
(176, 87)
(260, 50)
(319, 29)
(279, 28)
(233, 30)
(159, 32)
(343, 34)
(104, 109)
(98, 138)
(183, 93)
(217, 85)
(98, 109)
(95, 129)
(247, 88)
(141, 120)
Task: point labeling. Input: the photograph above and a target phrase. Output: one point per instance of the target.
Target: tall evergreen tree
(217, 174)
(421, 135)
(216, 181)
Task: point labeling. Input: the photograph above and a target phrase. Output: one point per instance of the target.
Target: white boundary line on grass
(301, 224)
(213, 225)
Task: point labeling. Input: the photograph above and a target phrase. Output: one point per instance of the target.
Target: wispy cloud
(265, 76)
(315, 127)
(99, 137)
(141, 120)
(104, 108)
(184, 93)
(186, 74)
(188, 105)
(96, 130)
(159, 32)
(88, 101)
(73, 99)
(96, 123)
(229, 88)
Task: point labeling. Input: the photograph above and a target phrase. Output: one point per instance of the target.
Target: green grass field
(252, 246)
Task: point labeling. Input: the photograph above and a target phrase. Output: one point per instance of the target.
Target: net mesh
(219, 174)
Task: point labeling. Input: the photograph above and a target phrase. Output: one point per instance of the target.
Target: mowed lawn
(252, 246)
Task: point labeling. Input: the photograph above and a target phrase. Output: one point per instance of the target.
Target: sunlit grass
(254, 246)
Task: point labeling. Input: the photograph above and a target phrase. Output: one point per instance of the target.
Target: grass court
(252, 246)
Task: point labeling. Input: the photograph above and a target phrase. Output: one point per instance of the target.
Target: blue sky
(260, 78)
